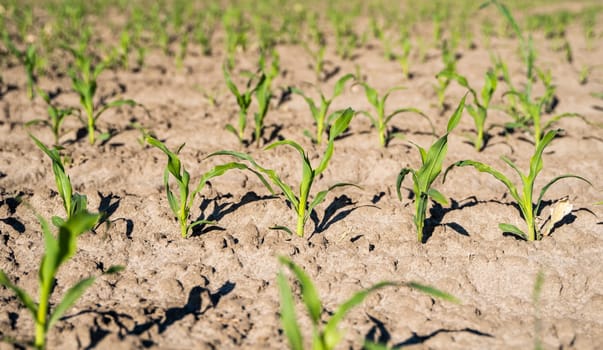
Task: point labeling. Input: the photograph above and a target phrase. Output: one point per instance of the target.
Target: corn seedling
(443, 77)
(524, 199)
(527, 47)
(263, 93)
(30, 61)
(479, 113)
(404, 57)
(300, 203)
(380, 119)
(424, 177)
(181, 206)
(320, 113)
(326, 335)
(244, 99)
(83, 77)
(73, 203)
(58, 250)
(56, 116)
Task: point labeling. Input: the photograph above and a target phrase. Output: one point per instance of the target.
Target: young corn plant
(244, 99)
(74, 203)
(301, 202)
(320, 112)
(263, 94)
(380, 119)
(479, 113)
(424, 177)
(326, 336)
(404, 57)
(58, 250)
(30, 61)
(83, 78)
(181, 205)
(443, 77)
(56, 116)
(524, 196)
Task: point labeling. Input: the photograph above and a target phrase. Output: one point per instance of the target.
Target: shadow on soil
(163, 321)
(107, 206)
(220, 210)
(334, 213)
(378, 334)
(12, 203)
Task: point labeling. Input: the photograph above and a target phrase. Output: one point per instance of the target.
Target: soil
(217, 289)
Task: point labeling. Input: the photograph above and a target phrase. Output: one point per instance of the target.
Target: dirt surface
(217, 289)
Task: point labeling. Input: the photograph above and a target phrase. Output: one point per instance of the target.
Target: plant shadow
(12, 203)
(334, 212)
(220, 210)
(378, 334)
(107, 206)
(194, 306)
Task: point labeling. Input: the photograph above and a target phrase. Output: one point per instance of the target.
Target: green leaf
(288, 317)
(437, 196)
(114, 269)
(20, 293)
(371, 95)
(456, 116)
(174, 206)
(399, 180)
(341, 123)
(512, 229)
(113, 104)
(429, 290)
(550, 183)
(340, 84)
(332, 336)
(69, 299)
(536, 160)
(320, 196)
(308, 291)
(487, 169)
(282, 228)
(414, 110)
(174, 164)
(73, 227)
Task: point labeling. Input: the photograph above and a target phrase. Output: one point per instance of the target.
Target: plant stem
(40, 340)
(301, 214)
(91, 129)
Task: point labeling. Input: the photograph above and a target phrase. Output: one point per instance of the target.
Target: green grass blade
(288, 317)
